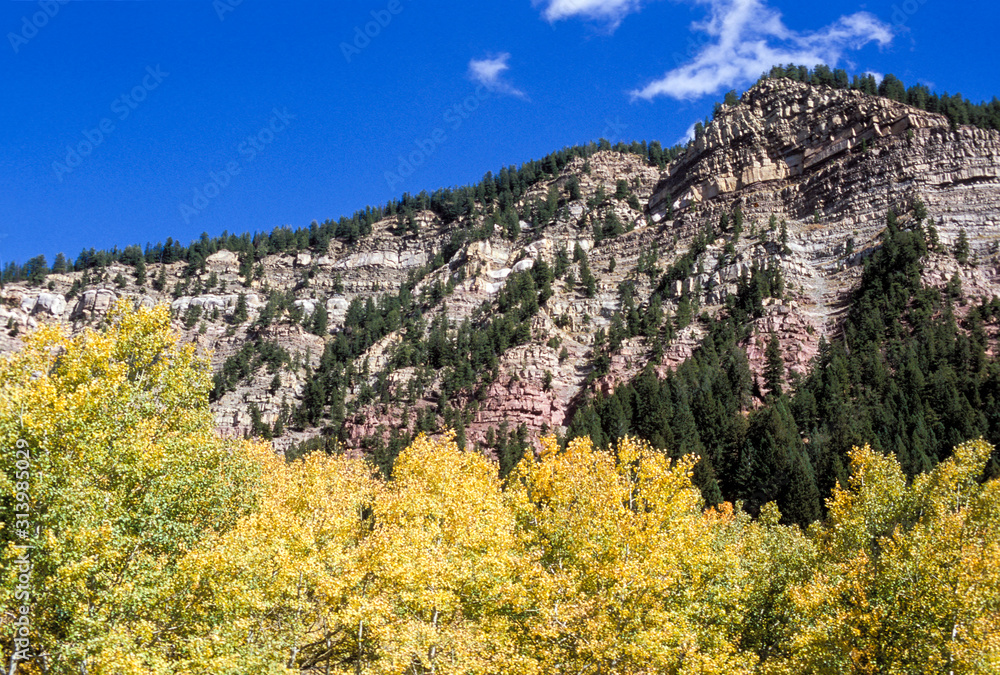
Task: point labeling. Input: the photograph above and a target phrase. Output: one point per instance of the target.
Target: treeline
(958, 109)
(151, 546)
(495, 192)
(910, 374)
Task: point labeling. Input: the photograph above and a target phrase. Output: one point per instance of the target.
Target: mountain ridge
(794, 178)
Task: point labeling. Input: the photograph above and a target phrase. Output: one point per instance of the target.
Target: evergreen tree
(140, 271)
(573, 188)
(587, 279)
(774, 371)
(59, 265)
(36, 270)
(933, 243)
(891, 87)
(160, 283)
(961, 249)
(319, 320)
(802, 504)
(314, 400)
(240, 312)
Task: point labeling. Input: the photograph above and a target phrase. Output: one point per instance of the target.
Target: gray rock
(94, 303)
(50, 303)
(307, 306)
(526, 264)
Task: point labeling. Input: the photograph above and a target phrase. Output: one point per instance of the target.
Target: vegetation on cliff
(908, 374)
(160, 549)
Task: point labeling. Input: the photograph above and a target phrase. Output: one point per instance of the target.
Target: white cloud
(746, 38)
(688, 135)
(489, 73)
(612, 11)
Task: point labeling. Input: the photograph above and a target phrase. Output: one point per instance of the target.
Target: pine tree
(36, 270)
(314, 399)
(59, 265)
(319, 320)
(774, 371)
(562, 262)
(892, 88)
(140, 271)
(961, 249)
(160, 282)
(933, 243)
(587, 279)
(801, 504)
(573, 188)
(240, 313)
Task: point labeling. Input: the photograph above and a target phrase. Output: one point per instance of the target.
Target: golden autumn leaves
(162, 549)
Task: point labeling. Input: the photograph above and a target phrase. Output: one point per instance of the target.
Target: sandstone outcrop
(813, 172)
(94, 303)
(807, 153)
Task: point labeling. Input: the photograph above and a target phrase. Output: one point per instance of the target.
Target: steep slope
(794, 180)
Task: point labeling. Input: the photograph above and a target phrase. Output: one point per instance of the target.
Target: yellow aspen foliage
(445, 563)
(125, 475)
(157, 548)
(909, 578)
(288, 587)
(776, 559)
(636, 577)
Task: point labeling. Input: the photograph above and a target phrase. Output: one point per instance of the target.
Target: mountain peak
(807, 141)
(501, 309)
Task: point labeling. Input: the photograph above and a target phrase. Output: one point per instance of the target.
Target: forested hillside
(151, 546)
(817, 269)
(906, 374)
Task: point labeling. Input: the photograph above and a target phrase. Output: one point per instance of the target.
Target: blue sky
(130, 122)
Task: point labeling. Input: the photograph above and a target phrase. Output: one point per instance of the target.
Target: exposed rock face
(798, 151)
(209, 303)
(798, 339)
(821, 166)
(223, 262)
(94, 303)
(49, 304)
(635, 354)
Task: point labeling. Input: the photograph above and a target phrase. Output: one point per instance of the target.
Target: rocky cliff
(811, 172)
